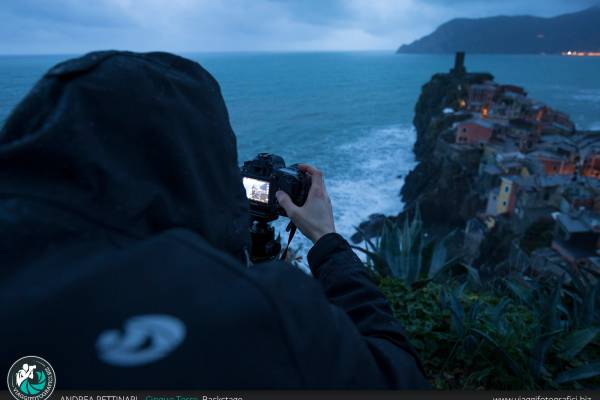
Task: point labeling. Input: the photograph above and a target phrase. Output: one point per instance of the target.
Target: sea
(348, 113)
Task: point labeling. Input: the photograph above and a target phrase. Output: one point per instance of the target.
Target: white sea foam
(592, 95)
(372, 184)
(375, 166)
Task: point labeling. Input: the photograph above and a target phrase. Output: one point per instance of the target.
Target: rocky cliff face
(502, 180)
(442, 183)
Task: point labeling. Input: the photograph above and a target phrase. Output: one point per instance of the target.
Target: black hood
(140, 143)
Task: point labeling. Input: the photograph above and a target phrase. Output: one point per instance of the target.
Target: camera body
(263, 176)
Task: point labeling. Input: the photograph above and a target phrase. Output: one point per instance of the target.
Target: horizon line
(208, 52)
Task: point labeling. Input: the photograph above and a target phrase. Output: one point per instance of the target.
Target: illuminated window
(485, 111)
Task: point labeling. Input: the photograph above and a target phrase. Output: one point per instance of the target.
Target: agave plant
(406, 252)
(567, 323)
(509, 331)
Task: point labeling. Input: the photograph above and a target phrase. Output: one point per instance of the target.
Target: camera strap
(249, 262)
(291, 228)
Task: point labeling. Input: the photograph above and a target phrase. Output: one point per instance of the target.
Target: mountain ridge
(522, 34)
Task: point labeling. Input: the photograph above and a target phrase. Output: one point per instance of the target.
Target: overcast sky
(76, 26)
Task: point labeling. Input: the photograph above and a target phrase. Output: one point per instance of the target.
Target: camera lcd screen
(256, 190)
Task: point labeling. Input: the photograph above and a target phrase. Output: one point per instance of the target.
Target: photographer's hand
(315, 217)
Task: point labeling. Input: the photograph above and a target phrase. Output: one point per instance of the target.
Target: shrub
(470, 340)
(511, 332)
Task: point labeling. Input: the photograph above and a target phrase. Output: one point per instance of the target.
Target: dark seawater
(348, 113)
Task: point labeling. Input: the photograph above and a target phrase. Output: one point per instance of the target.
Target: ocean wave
(587, 95)
(372, 184)
(369, 178)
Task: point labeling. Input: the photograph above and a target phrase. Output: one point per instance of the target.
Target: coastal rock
(442, 183)
(508, 176)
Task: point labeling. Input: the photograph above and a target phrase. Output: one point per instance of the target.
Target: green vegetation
(499, 332)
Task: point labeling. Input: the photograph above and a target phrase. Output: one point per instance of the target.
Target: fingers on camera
(312, 171)
(286, 202)
(315, 174)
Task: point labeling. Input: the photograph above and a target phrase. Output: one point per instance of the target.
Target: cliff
(516, 34)
(507, 173)
(440, 175)
(436, 176)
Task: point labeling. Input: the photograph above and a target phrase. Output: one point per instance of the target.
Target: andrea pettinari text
(135, 397)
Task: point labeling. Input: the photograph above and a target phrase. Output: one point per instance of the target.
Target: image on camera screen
(256, 190)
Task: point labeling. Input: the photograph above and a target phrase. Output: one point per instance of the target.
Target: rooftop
(480, 122)
(583, 222)
(571, 224)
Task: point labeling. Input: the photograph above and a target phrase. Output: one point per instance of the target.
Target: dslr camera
(263, 177)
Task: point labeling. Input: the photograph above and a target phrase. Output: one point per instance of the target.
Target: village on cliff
(532, 165)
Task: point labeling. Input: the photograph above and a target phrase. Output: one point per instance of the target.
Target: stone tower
(459, 64)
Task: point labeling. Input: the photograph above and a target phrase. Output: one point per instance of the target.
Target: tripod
(264, 245)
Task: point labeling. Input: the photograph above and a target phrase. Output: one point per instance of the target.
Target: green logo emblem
(32, 389)
(31, 378)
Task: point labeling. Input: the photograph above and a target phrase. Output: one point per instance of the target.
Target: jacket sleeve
(347, 286)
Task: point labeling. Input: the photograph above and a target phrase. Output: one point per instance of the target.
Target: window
(504, 203)
(506, 189)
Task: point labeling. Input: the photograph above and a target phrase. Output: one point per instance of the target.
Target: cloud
(76, 26)
(542, 8)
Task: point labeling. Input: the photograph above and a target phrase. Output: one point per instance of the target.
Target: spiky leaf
(570, 346)
(585, 371)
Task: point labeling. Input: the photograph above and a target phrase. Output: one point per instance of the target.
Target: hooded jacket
(123, 224)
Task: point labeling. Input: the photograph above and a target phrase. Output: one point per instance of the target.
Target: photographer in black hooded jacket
(123, 224)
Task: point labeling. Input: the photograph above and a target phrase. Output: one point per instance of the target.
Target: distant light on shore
(572, 53)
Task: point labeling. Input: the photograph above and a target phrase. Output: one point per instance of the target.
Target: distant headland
(569, 34)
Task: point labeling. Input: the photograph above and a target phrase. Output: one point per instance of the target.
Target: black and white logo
(145, 338)
(31, 378)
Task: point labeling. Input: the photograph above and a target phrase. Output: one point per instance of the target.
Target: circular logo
(31, 378)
